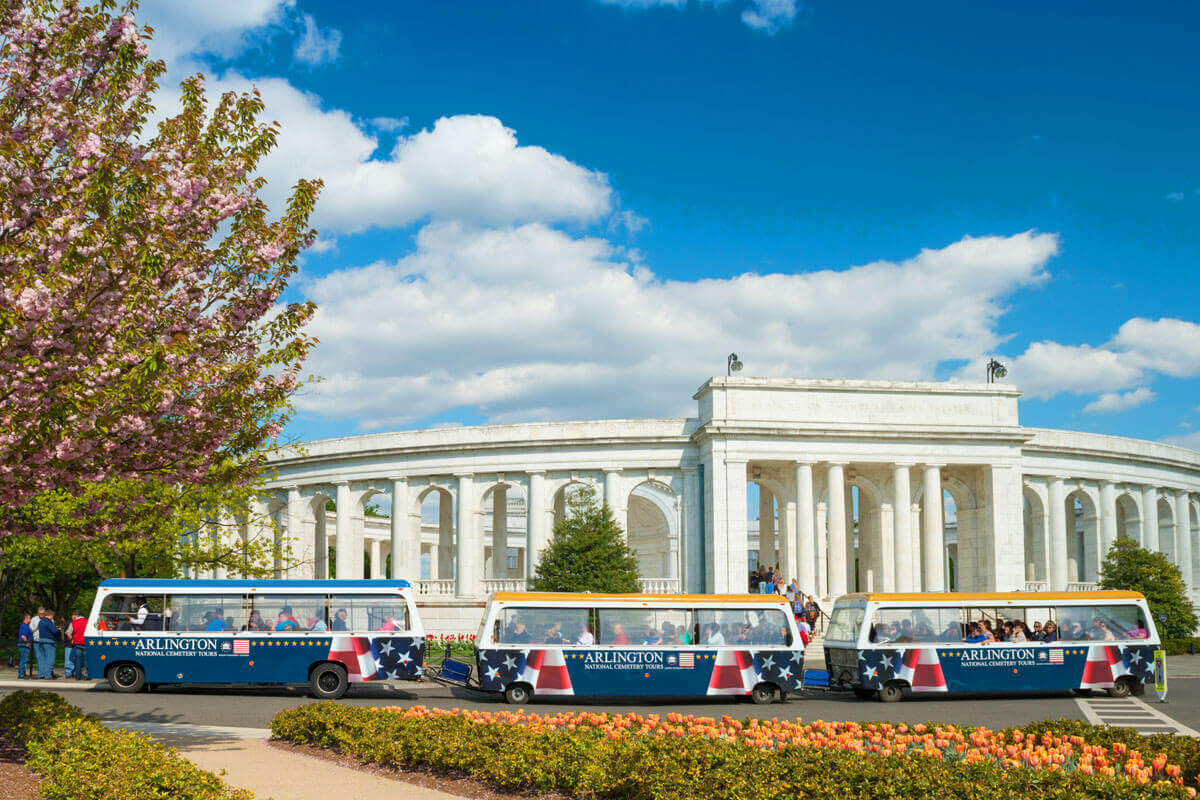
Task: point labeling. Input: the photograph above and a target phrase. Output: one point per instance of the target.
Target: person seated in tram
(1075, 633)
(554, 634)
(975, 634)
(668, 634)
(713, 635)
(1049, 632)
(1138, 631)
(316, 620)
(1020, 634)
(653, 637)
(586, 637)
(213, 621)
(255, 622)
(618, 634)
(683, 635)
(285, 621)
(953, 632)
(392, 622)
(340, 622)
(519, 634)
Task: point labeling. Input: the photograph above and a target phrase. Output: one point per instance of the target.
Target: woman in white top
(586, 636)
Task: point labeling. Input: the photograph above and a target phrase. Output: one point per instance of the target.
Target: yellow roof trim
(515, 597)
(972, 597)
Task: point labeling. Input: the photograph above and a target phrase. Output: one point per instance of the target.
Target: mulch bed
(428, 778)
(16, 781)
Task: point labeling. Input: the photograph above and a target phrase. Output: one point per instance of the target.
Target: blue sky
(575, 209)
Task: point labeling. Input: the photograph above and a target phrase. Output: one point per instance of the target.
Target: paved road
(253, 708)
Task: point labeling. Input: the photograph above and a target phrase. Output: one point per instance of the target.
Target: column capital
(903, 464)
(398, 478)
(535, 472)
(292, 487)
(461, 475)
(836, 463)
(927, 465)
(341, 483)
(802, 462)
(613, 470)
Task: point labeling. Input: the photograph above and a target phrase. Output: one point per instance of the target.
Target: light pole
(995, 371)
(732, 365)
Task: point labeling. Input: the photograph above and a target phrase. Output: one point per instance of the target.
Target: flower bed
(81, 759)
(674, 756)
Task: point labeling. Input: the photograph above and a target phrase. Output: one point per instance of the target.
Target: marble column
(376, 548)
(1150, 518)
(852, 533)
(466, 577)
(692, 544)
(805, 536)
(300, 548)
(766, 528)
(1183, 537)
(836, 512)
(1057, 509)
(1108, 516)
(500, 531)
(402, 566)
(535, 521)
(918, 565)
(902, 527)
(344, 546)
(933, 545)
(737, 564)
(446, 545)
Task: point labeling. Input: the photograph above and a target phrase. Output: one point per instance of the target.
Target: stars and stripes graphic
(733, 673)
(687, 660)
(544, 670)
(379, 658)
(922, 670)
(1102, 667)
(241, 647)
(1056, 655)
(499, 668)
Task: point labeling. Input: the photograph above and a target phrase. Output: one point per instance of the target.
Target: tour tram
(885, 645)
(533, 644)
(326, 633)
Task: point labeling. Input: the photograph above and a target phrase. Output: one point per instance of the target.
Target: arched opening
(762, 527)
(1166, 529)
(651, 510)
(504, 531)
(280, 553)
(437, 534)
(952, 538)
(566, 495)
(1034, 512)
(866, 570)
(1129, 518)
(374, 546)
(1194, 532)
(1083, 539)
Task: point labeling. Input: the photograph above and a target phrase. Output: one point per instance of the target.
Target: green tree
(1131, 567)
(587, 552)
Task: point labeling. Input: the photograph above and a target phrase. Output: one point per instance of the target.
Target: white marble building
(856, 482)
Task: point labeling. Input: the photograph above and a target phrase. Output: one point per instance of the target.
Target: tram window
(1101, 623)
(368, 613)
(624, 626)
(543, 625)
(213, 613)
(286, 612)
(844, 624)
(731, 626)
(921, 625)
(118, 612)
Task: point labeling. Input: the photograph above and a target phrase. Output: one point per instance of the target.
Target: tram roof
(983, 597)
(552, 597)
(265, 584)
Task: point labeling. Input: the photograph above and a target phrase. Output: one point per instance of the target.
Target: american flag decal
(687, 660)
(1056, 655)
(241, 647)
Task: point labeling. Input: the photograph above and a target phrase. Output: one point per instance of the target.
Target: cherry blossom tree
(142, 333)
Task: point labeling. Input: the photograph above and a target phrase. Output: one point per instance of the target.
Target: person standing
(24, 643)
(68, 647)
(47, 645)
(75, 632)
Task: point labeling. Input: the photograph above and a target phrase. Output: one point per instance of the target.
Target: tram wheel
(763, 694)
(891, 692)
(517, 694)
(864, 694)
(328, 681)
(1120, 689)
(126, 678)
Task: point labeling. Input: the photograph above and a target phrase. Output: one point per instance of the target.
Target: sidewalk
(248, 762)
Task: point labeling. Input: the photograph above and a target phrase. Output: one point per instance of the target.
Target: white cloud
(1191, 440)
(529, 322)
(1116, 402)
(1175, 197)
(389, 124)
(770, 16)
(1170, 346)
(466, 167)
(317, 45)
(220, 27)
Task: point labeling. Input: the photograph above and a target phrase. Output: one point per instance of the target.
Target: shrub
(1131, 567)
(1181, 647)
(82, 759)
(650, 758)
(1181, 750)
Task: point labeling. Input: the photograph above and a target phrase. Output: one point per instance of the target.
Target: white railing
(1082, 586)
(504, 585)
(660, 585)
(1036, 586)
(435, 587)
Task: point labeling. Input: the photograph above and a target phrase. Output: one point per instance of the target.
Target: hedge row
(1181, 647)
(1181, 750)
(644, 758)
(82, 759)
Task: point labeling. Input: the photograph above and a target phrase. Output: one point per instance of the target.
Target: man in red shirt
(75, 631)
